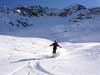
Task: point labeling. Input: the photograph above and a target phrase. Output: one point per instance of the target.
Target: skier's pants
(54, 50)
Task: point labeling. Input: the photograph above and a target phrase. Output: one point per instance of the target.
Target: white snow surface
(33, 56)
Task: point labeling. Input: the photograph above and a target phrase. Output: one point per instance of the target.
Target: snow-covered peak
(76, 7)
(72, 9)
(40, 11)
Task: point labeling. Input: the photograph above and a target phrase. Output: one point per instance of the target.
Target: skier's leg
(54, 50)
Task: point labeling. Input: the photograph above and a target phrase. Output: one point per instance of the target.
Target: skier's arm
(51, 45)
(59, 46)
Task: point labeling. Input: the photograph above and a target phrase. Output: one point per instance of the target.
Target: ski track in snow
(29, 65)
(16, 70)
(36, 66)
(40, 68)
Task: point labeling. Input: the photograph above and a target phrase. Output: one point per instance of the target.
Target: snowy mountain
(27, 32)
(59, 23)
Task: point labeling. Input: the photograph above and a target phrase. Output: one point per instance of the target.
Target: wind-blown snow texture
(25, 40)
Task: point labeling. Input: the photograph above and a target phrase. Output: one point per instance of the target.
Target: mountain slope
(79, 26)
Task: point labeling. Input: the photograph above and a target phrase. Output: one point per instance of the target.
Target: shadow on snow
(43, 57)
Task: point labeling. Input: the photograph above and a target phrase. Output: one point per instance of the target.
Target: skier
(55, 45)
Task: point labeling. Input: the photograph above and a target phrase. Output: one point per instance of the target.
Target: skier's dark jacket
(55, 45)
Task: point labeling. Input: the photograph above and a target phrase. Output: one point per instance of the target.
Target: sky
(50, 3)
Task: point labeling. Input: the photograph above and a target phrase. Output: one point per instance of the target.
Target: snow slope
(33, 56)
(50, 27)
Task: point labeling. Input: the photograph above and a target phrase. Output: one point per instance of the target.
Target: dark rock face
(41, 11)
(72, 9)
(95, 10)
